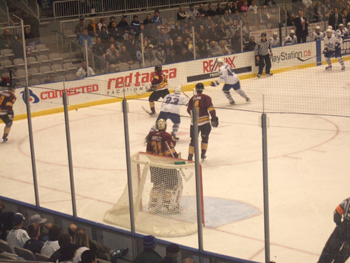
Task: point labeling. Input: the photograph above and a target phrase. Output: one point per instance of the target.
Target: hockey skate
(259, 75)
(152, 113)
(232, 102)
(3, 140)
(174, 137)
(271, 74)
(328, 67)
(342, 67)
(247, 100)
(203, 157)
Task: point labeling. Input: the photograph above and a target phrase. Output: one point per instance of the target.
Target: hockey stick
(182, 172)
(303, 60)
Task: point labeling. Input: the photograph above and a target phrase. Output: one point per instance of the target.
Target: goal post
(164, 197)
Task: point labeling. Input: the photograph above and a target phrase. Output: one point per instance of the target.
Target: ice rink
(308, 163)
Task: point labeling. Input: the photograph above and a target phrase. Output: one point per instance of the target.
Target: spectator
(261, 17)
(236, 16)
(82, 73)
(79, 28)
(148, 54)
(199, 41)
(131, 44)
(175, 31)
(111, 21)
(201, 10)
(221, 32)
(27, 33)
(92, 28)
(224, 48)
(48, 79)
(6, 40)
(219, 9)
(187, 34)
(104, 35)
(193, 13)
(188, 44)
(301, 25)
(68, 251)
(88, 256)
(291, 39)
(147, 20)
(182, 14)
(335, 19)
(172, 253)
(214, 49)
(244, 7)
(160, 54)
(284, 14)
(17, 236)
(244, 18)
(101, 24)
(290, 20)
(148, 254)
(167, 28)
(167, 48)
(40, 220)
(226, 19)
(251, 44)
(236, 42)
(235, 8)
(173, 58)
(157, 19)
(153, 33)
(208, 21)
(253, 7)
(33, 244)
(213, 33)
(269, 3)
(186, 55)
(52, 245)
(203, 34)
(112, 55)
(123, 25)
(63, 241)
(210, 11)
(99, 50)
(135, 25)
(115, 33)
(162, 37)
(252, 18)
(81, 239)
(267, 15)
(125, 56)
(228, 7)
(178, 45)
(85, 37)
(275, 40)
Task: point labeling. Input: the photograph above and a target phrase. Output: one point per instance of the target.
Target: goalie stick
(182, 172)
(303, 60)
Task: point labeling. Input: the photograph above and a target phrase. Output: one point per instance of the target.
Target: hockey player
(348, 28)
(231, 81)
(159, 88)
(337, 247)
(341, 31)
(205, 107)
(171, 110)
(7, 99)
(332, 46)
(291, 39)
(331, 28)
(262, 53)
(317, 35)
(275, 40)
(167, 187)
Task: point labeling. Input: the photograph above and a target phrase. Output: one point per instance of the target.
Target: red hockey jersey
(157, 143)
(159, 81)
(204, 106)
(7, 99)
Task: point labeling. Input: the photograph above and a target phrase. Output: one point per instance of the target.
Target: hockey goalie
(166, 193)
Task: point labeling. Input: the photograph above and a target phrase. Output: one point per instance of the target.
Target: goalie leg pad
(155, 202)
(176, 195)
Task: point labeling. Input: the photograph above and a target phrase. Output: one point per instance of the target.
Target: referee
(262, 54)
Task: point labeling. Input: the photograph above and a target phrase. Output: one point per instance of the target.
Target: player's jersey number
(157, 148)
(229, 70)
(171, 100)
(2, 99)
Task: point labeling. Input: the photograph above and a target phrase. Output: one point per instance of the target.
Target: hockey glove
(10, 115)
(150, 89)
(325, 50)
(214, 83)
(215, 122)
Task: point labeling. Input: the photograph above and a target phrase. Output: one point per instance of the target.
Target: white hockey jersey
(342, 33)
(290, 41)
(332, 42)
(274, 42)
(227, 75)
(315, 36)
(173, 102)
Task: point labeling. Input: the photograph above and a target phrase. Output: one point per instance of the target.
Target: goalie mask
(161, 125)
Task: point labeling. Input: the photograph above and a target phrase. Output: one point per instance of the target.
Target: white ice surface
(308, 165)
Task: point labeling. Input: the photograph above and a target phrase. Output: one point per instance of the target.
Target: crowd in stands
(218, 30)
(49, 242)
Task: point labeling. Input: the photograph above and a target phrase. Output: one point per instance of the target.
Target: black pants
(262, 61)
(301, 39)
(156, 95)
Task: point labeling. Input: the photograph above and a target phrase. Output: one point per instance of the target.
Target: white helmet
(330, 27)
(340, 25)
(275, 33)
(178, 90)
(220, 60)
(161, 125)
(292, 32)
(329, 31)
(348, 24)
(318, 28)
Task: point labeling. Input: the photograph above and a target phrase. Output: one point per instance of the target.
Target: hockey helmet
(263, 34)
(220, 60)
(161, 125)
(340, 25)
(348, 24)
(199, 87)
(275, 34)
(329, 31)
(178, 90)
(330, 27)
(318, 28)
(158, 68)
(292, 32)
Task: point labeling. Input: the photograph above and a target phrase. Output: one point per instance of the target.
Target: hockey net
(164, 197)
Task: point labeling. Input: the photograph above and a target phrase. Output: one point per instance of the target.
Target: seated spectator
(6, 39)
(153, 33)
(123, 25)
(131, 46)
(104, 35)
(187, 34)
(27, 33)
(68, 252)
(250, 45)
(125, 56)
(167, 28)
(236, 16)
(84, 72)
(33, 244)
(178, 45)
(224, 48)
(226, 19)
(81, 239)
(244, 18)
(252, 18)
(148, 54)
(160, 54)
(148, 254)
(253, 7)
(92, 28)
(219, 9)
(221, 32)
(162, 37)
(212, 33)
(228, 7)
(214, 49)
(88, 256)
(80, 27)
(63, 241)
(244, 7)
(172, 58)
(261, 17)
(193, 13)
(182, 14)
(112, 55)
(188, 44)
(201, 10)
(235, 8)
(175, 31)
(210, 11)
(17, 237)
(167, 47)
(99, 50)
(203, 34)
(101, 24)
(85, 37)
(269, 3)
(236, 42)
(267, 15)
(275, 40)
(284, 14)
(111, 21)
(157, 18)
(44, 235)
(147, 20)
(172, 253)
(52, 245)
(135, 25)
(115, 33)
